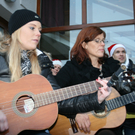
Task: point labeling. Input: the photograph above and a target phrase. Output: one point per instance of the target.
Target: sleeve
(46, 64)
(4, 70)
(78, 104)
(52, 80)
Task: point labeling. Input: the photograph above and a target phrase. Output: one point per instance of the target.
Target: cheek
(115, 57)
(24, 39)
(125, 56)
(23, 34)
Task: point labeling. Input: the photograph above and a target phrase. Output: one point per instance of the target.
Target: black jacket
(73, 73)
(130, 123)
(45, 65)
(130, 107)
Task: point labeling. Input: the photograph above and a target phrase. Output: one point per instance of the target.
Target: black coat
(44, 63)
(73, 73)
(130, 123)
(130, 107)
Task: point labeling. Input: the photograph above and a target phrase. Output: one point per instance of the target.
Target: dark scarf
(25, 63)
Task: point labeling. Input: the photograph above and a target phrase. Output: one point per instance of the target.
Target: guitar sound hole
(101, 113)
(25, 104)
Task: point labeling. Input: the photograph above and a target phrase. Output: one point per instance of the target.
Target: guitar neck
(65, 93)
(120, 101)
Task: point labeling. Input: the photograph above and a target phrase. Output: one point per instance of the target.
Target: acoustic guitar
(113, 115)
(31, 104)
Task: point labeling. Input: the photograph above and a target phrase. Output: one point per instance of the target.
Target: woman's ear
(84, 45)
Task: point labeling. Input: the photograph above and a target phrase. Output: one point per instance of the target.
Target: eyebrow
(120, 51)
(100, 39)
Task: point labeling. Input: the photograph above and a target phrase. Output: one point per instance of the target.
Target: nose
(38, 33)
(102, 43)
(121, 53)
(57, 69)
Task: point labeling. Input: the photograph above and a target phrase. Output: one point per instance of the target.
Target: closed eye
(32, 28)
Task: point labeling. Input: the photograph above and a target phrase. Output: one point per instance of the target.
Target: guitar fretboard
(120, 101)
(65, 93)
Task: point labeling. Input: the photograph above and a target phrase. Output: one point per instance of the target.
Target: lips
(121, 58)
(36, 40)
(102, 50)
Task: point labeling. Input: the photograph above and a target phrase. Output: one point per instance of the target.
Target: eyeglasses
(99, 41)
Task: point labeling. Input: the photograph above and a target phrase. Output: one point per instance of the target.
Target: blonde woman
(19, 56)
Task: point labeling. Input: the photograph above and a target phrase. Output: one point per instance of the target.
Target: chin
(122, 61)
(100, 56)
(33, 48)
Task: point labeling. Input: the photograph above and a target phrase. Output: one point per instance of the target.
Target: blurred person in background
(57, 66)
(119, 52)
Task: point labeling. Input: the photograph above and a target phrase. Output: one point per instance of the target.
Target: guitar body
(110, 119)
(12, 101)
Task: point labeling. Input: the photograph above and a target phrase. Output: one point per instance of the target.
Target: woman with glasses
(88, 62)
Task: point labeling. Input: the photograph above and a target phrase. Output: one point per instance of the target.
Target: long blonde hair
(11, 46)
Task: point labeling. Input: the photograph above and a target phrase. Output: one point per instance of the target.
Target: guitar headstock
(126, 81)
(128, 76)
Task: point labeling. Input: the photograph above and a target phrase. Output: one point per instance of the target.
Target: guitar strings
(21, 106)
(47, 99)
(9, 110)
